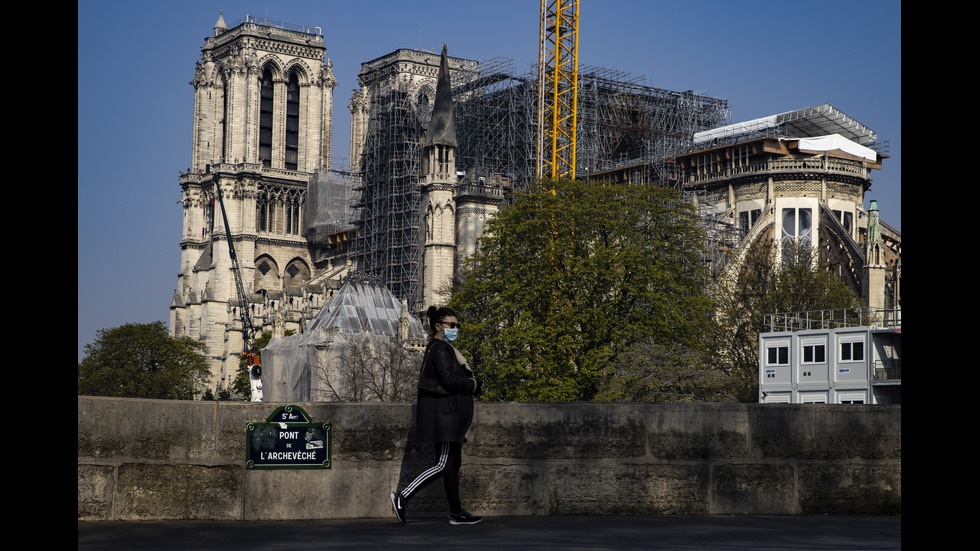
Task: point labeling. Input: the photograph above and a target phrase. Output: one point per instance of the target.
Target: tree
(763, 286)
(141, 360)
(371, 369)
(653, 372)
(571, 275)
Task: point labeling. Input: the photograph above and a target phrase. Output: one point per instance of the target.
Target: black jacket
(444, 410)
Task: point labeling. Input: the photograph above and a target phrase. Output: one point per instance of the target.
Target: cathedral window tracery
(797, 232)
(292, 122)
(267, 95)
(278, 209)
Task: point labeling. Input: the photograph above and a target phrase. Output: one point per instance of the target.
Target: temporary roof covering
(820, 120)
(361, 306)
(289, 364)
(835, 142)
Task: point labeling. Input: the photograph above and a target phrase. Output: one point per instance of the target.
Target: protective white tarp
(836, 141)
(358, 307)
(819, 120)
(289, 365)
(737, 129)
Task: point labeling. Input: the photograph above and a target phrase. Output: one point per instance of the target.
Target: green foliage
(141, 360)
(572, 275)
(652, 372)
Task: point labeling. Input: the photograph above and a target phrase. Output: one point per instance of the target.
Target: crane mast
(248, 329)
(557, 89)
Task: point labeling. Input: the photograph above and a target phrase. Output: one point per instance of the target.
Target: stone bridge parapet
(174, 460)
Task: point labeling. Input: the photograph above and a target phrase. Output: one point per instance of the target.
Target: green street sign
(289, 439)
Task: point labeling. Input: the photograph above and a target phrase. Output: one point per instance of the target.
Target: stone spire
(442, 129)
(219, 25)
(873, 246)
(873, 278)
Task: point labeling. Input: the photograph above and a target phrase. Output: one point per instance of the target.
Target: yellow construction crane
(557, 88)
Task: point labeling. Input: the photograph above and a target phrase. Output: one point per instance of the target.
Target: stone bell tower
(263, 112)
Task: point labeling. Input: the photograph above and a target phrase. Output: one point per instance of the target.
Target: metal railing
(266, 22)
(888, 370)
(834, 318)
(830, 166)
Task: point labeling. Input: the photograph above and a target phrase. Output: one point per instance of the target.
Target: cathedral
(271, 231)
(252, 253)
(798, 178)
(420, 212)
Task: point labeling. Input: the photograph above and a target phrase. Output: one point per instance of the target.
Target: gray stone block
(148, 491)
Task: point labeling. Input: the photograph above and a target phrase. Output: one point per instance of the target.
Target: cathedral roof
(204, 261)
(442, 128)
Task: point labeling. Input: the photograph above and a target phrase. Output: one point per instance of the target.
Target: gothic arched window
(224, 117)
(292, 122)
(262, 212)
(266, 274)
(266, 92)
(797, 234)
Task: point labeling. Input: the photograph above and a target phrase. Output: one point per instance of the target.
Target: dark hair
(436, 315)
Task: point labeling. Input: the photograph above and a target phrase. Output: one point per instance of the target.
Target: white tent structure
(305, 367)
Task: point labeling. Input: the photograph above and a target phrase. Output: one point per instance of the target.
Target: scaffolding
(388, 245)
(621, 122)
(327, 209)
(721, 238)
(625, 122)
(495, 123)
(819, 120)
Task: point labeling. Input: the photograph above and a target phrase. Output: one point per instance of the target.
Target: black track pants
(449, 458)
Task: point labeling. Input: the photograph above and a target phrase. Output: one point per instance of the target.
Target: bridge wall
(168, 460)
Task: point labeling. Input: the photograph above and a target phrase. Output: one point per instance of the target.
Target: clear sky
(135, 103)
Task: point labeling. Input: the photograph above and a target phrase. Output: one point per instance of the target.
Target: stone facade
(477, 201)
(775, 188)
(263, 111)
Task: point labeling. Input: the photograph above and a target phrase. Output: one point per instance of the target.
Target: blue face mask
(451, 334)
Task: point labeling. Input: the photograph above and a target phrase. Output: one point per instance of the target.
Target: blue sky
(135, 60)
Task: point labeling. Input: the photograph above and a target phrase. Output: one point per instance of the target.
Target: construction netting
(327, 209)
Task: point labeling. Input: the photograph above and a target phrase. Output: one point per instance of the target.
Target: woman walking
(444, 414)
